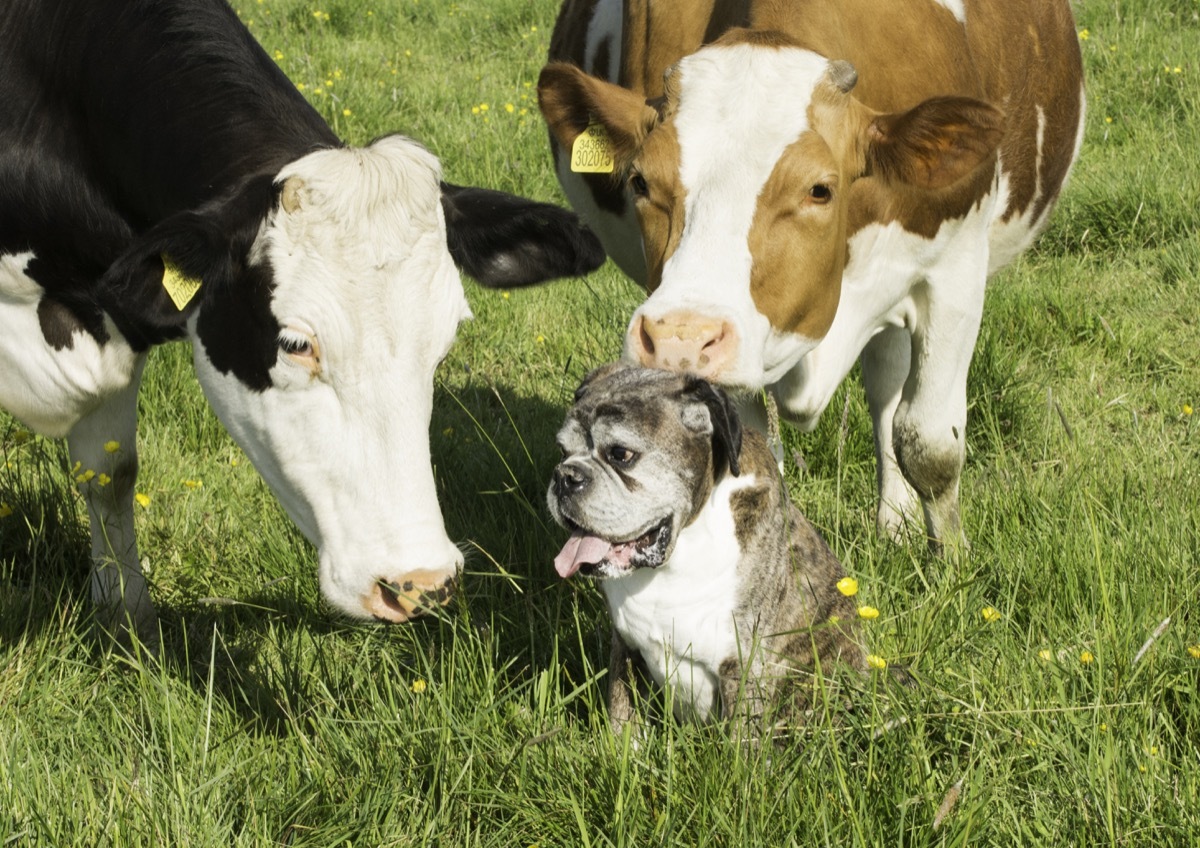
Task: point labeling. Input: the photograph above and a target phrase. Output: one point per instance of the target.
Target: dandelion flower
(869, 613)
(1086, 657)
(5, 509)
(991, 614)
(876, 662)
(143, 500)
(418, 686)
(112, 446)
(848, 586)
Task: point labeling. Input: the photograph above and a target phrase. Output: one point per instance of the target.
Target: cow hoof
(416, 594)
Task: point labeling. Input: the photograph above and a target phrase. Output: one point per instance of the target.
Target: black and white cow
(160, 179)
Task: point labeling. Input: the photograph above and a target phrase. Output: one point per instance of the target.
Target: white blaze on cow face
(761, 200)
(368, 301)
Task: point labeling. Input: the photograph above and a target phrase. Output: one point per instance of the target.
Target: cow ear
(934, 144)
(726, 425)
(571, 101)
(163, 277)
(505, 241)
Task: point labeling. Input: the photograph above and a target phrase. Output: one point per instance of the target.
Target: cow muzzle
(684, 341)
(415, 594)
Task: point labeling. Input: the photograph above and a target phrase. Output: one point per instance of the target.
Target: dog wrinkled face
(639, 450)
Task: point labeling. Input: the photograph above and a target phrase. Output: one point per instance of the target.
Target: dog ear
(726, 426)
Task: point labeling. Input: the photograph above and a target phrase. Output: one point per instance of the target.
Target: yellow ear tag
(592, 151)
(179, 286)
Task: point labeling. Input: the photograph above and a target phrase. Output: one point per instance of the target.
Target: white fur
(50, 390)
(363, 264)
(956, 8)
(679, 616)
(727, 153)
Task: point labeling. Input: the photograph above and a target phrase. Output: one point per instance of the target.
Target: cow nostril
(408, 599)
(647, 343)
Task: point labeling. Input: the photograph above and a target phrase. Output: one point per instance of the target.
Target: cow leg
(885, 367)
(929, 428)
(104, 463)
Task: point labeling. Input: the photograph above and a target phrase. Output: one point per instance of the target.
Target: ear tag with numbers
(179, 286)
(592, 152)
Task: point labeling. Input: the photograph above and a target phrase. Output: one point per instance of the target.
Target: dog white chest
(679, 616)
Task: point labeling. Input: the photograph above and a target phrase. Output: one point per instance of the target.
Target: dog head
(642, 450)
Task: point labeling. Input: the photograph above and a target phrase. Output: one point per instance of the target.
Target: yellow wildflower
(75, 468)
(112, 446)
(991, 614)
(483, 107)
(1103, 728)
(876, 662)
(509, 108)
(869, 613)
(1108, 119)
(540, 339)
(504, 295)
(1187, 409)
(143, 500)
(193, 484)
(848, 586)
(1194, 650)
(278, 55)
(103, 479)
(1044, 655)
(1086, 657)
(418, 686)
(346, 113)
(1084, 35)
(85, 477)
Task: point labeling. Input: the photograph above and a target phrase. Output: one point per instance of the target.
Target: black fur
(134, 128)
(727, 426)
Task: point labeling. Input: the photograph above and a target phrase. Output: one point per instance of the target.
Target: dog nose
(683, 341)
(570, 480)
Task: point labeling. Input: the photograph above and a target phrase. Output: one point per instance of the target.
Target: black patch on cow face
(239, 331)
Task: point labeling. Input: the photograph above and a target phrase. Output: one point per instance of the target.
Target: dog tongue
(579, 550)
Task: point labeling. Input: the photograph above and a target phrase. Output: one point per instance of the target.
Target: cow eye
(820, 193)
(620, 456)
(298, 344)
(638, 184)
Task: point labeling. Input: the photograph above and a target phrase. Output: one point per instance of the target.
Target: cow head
(743, 178)
(327, 297)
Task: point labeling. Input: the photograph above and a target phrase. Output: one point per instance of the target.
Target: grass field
(273, 720)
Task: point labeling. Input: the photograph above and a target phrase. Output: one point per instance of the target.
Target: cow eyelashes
(298, 344)
(638, 185)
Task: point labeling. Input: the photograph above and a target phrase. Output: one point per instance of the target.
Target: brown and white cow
(799, 184)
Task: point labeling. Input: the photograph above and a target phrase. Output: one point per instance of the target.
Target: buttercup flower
(848, 586)
(103, 479)
(876, 662)
(991, 614)
(1194, 650)
(418, 686)
(1044, 655)
(869, 613)
(1086, 657)
(143, 500)
(112, 446)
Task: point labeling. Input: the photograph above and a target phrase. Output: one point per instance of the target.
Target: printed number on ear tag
(179, 286)
(592, 152)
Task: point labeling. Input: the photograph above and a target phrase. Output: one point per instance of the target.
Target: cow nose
(570, 480)
(412, 595)
(683, 341)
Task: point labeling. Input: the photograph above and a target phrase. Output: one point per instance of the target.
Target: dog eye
(621, 455)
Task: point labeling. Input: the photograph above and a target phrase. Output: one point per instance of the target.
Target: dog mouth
(586, 552)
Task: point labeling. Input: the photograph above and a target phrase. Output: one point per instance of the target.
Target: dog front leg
(623, 679)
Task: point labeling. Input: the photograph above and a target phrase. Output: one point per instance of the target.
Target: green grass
(273, 720)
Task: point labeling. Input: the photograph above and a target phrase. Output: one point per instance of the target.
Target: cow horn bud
(290, 196)
(842, 74)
